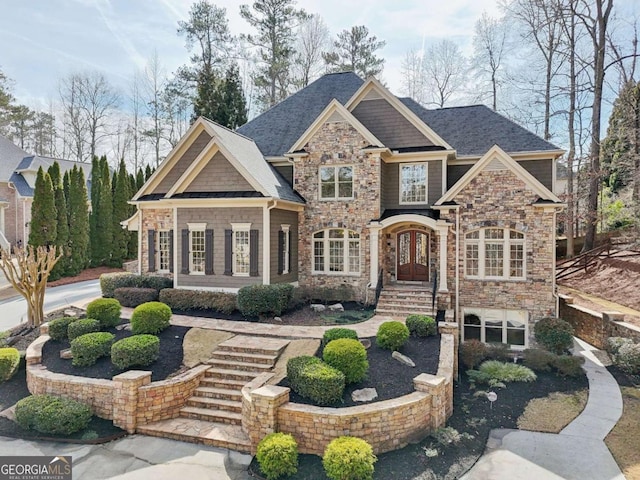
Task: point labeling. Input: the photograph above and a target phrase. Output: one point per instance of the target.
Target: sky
(42, 41)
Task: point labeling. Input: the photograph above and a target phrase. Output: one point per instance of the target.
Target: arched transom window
(336, 250)
(495, 253)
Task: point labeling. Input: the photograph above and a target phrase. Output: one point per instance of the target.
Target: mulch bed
(624, 379)
(388, 376)
(169, 361)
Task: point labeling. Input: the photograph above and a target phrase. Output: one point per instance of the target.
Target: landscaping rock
(9, 413)
(337, 307)
(403, 359)
(364, 395)
(366, 343)
(66, 354)
(70, 312)
(318, 307)
(125, 326)
(277, 319)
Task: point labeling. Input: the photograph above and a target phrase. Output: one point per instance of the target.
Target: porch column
(374, 231)
(443, 230)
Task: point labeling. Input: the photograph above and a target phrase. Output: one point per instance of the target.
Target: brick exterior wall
(336, 143)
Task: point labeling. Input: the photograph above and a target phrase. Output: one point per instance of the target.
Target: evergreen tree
(62, 225)
(95, 183)
(102, 214)
(355, 51)
(147, 173)
(43, 212)
(78, 222)
(139, 178)
(132, 246)
(66, 186)
(121, 195)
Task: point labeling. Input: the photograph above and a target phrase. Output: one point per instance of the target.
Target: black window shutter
(185, 251)
(151, 234)
(280, 252)
(228, 234)
(289, 250)
(171, 251)
(208, 252)
(253, 253)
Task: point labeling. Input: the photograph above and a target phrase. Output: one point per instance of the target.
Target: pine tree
(62, 225)
(132, 246)
(121, 195)
(139, 178)
(43, 212)
(148, 172)
(66, 186)
(102, 214)
(94, 238)
(78, 222)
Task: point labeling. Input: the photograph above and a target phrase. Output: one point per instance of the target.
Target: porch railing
(379, 286)
(434, 289)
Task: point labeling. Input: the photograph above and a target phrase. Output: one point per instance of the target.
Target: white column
(374, 251)
(442, 233)
(266, 245)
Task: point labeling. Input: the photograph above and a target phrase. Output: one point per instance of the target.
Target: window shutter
(208, 252)
(185, 251)
(228, 234)
(171, 251)
(253, 253)
(280, 252)
(289, 246)
(151, 236)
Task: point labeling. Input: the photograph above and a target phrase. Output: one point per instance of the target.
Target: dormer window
(336, 182)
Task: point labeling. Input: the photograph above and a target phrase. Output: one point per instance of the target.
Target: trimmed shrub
(628, 358)
(256, 300)
(9, 361)
(392, 335)
(150, 317)
(349, 458)
(499, 351)
(554, 334)
(58, 327)
(133, 296)
(311, 378)
(82, 326)
(615, 343)
(88, 348)
(336, 333)
(109, 282)
(179, 299)
(52, 415)
(277, 454)
(568, 365)
(137, 350)
(473, 353)
(538, 359)
(295, 365)
(349, 356)
(493, 371)
(421, 325)
(106, 311)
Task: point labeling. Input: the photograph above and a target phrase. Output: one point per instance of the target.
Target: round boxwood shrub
(554, 334)
(349, 458)
(137, 350)
(311, 378)
(82, 326)
(9, 361)
(336, 333)
(52, 415)
(295, 365)
(106, 311)
(58, 327)
(421, 325)
(349, 356)
(628, 358)
(150, 317)
(392, 335)
(88, 348)
(277, 454)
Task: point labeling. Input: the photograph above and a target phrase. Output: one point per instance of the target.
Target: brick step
(231, 374)
(392, 303)
(221, 393)
(403, 313)
(199, 431)
(235, 365)
(244, 357)
(403, 293)
(223, 383)
(216, 416)
(404, 306)
(215, 404)
(254, 345)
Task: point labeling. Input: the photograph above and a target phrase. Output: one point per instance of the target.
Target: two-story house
(344, 183)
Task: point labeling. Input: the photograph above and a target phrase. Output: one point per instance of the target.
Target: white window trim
(158, 251)
(482, 314)
(235, 228)
(426, 183)
(285, 250)
(506, 254)
(327, 262)
(336, 197)
(196, 227)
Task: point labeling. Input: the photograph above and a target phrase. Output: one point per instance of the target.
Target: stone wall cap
(271, 391)
(613, 315)
(132, 375)
(448, 324)
(428, 379)
(373, 407)
(35, 348)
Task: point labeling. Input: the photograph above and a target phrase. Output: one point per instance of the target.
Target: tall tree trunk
(570, 233)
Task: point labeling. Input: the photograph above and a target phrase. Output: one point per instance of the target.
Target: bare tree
(413, 77)
(75, 128)
(312, 40)
(444, 69)
(154, 83)
(489, 47)
(137, 102)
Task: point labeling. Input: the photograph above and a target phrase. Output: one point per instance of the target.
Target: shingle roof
(10, 156)
(34, 162)
(277, 129)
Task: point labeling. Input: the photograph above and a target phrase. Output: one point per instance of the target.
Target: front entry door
(413, 256)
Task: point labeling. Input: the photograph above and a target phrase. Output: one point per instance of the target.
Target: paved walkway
(577, 452)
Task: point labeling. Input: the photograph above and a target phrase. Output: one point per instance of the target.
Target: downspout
(266, 243)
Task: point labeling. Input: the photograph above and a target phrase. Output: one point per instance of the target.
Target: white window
(496, 326)
(495, 253)
(285, 249)
(336, 250)
(164, 244)
(241, 249)
(336, 182)
(196, 248)
(413, 183)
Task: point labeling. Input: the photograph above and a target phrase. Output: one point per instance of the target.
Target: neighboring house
(18, 172)
(344, 184)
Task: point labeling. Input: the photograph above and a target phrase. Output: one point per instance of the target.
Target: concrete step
(244, 357)
(191, 430)
(231, 374)
(403, 313)
(225, 383)
(221, 393)
(398, 303)
(215, 404)
(235, 365)
(404, 307)
(254, 345)
(217, 416)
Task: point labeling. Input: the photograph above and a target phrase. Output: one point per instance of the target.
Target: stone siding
(152, 219)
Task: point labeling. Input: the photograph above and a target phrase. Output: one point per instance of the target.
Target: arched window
(495, 253)
(336, 250)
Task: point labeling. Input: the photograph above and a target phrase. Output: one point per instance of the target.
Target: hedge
(137, 350)
(392, 335)
(109, 282)
(58, 328)
(184, 300)
(9, 361)
(150, 317)
(52, 415)
(277, 454)
(133, 296)
(421, 325)
(349, 458)
(88, 348)
(311, 378)
(82, 326)
(349, 356)
(256, 300)
(338, 332)
(106, 311)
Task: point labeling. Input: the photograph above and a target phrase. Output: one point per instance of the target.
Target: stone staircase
(404, 299)
(213, 415)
